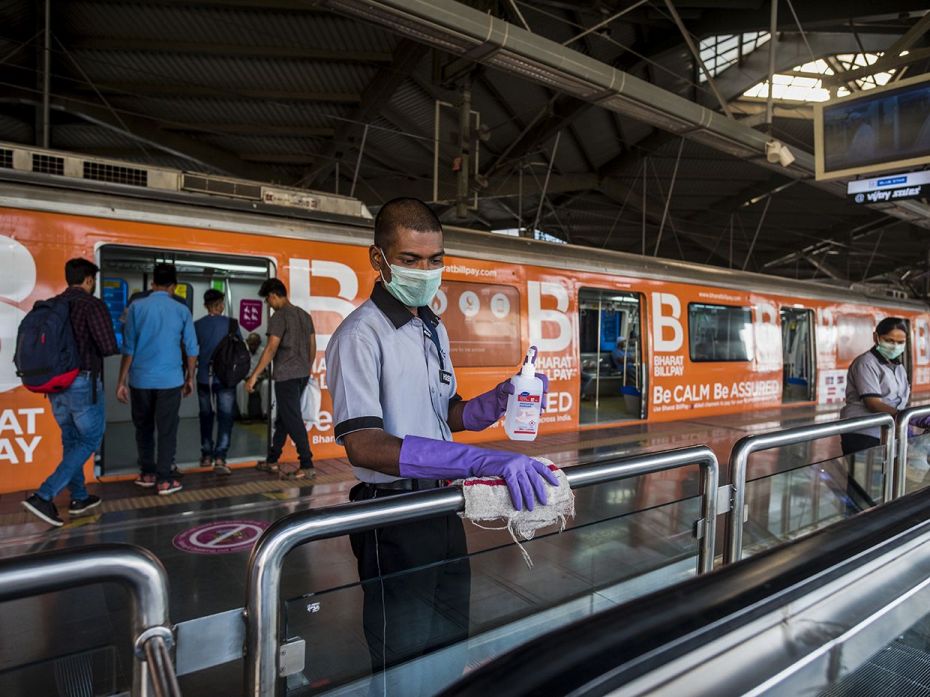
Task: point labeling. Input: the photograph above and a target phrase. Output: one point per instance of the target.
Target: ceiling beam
(200, 48)
(253, 129)
(300, 6)
(181, 89)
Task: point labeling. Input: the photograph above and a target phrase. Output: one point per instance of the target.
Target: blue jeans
(82, 424)
(225, 409)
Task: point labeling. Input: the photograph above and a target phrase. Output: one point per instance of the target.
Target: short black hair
(212, 295)
(165, 275)
(410, 213)
(272, 286)
(889, 324)
(76, 270)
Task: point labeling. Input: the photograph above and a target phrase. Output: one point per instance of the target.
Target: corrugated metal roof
(218, 25)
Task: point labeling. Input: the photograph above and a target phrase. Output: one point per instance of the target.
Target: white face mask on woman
(889, 349)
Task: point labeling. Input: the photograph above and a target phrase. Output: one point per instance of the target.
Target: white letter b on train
(662, 321)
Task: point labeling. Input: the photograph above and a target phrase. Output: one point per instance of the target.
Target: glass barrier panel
(918, 462)
(787, 505)
(449, 617)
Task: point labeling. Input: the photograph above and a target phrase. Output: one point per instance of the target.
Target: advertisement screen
(877, 130)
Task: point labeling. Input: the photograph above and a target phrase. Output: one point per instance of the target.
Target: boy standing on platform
(79, 409)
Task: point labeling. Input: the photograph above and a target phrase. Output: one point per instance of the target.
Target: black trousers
(156, 410)
(406, 615)
(290, 422)
(854, 442)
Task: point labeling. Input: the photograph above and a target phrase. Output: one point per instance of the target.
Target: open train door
(797, 342)
(610, 338)
(127, 271)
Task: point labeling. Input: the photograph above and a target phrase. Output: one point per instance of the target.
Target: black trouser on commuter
(854, 442)
(290, 422)
(406, 615)
(156, 410)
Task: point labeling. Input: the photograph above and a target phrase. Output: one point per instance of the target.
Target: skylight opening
(720, 52)
(803, 84)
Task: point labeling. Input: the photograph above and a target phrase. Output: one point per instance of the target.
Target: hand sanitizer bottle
(521, 420)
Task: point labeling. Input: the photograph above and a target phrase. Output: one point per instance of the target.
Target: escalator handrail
(625, 642)
(263, 582)
(135, 568)
(746, 446)
(903, 420)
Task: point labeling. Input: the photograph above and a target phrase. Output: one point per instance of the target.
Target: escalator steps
(898, 670)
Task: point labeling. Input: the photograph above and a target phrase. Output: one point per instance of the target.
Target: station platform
(628, 538)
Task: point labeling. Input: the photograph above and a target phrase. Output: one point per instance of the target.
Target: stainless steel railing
(739, 461)
(138, 570)
(904, 419)
(263, 603)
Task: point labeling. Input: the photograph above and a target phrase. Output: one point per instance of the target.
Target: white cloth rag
(487, 498)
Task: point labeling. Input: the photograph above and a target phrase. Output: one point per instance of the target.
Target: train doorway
(797, 342)
(125, 272)
(611, 356)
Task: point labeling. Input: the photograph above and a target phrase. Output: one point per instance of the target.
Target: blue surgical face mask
(889, 349)
(413, 287)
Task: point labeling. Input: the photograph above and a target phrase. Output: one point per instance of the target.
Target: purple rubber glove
(921, 422)
(483, 410)
(426, 458)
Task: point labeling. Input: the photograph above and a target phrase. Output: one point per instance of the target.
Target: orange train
(621, 337)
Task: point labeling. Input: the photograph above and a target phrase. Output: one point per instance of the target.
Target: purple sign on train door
(250, 314)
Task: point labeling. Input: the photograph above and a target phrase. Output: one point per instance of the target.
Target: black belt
(405, 485)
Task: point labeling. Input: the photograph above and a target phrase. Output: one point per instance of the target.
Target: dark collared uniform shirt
(389, 369)
(92, 327)
(873, 375)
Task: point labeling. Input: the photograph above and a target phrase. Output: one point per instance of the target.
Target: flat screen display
(882, 129)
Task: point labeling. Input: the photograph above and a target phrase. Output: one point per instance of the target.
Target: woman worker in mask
(395, 408)
(877, 383)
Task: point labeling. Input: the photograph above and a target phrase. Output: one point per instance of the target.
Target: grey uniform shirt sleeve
(353, 364)
(866, 376)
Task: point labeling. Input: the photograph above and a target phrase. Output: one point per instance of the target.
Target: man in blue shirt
(211, 330)
(152, 377)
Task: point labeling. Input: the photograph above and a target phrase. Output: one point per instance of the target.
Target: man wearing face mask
(877, 383)
(395, 408)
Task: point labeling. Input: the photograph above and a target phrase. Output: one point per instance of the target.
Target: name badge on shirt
(445, 377)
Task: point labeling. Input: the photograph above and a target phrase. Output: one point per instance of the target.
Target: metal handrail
(903, 420)
(262, 606)
(137, 569)
(746, 446)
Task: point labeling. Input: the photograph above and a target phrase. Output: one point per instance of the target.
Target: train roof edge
(348, 220)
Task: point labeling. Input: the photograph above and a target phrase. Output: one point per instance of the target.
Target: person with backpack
(223, 363)
(68, 337)
(152, 379)
(292, 345)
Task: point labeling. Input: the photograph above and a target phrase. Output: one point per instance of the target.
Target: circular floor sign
(220, 537)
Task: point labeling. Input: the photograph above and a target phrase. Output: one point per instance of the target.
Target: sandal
(265, 466)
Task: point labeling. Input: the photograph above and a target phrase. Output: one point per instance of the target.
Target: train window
(720, 332)
(483, 322)
(853, 336)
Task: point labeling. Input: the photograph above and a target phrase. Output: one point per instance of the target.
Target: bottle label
(527, 416)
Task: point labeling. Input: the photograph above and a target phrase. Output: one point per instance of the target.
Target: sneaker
(43, 509)
(146, 481)
(168, 487)
(82, 506)
(265, 466)
(206, 461)
(220, 466)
